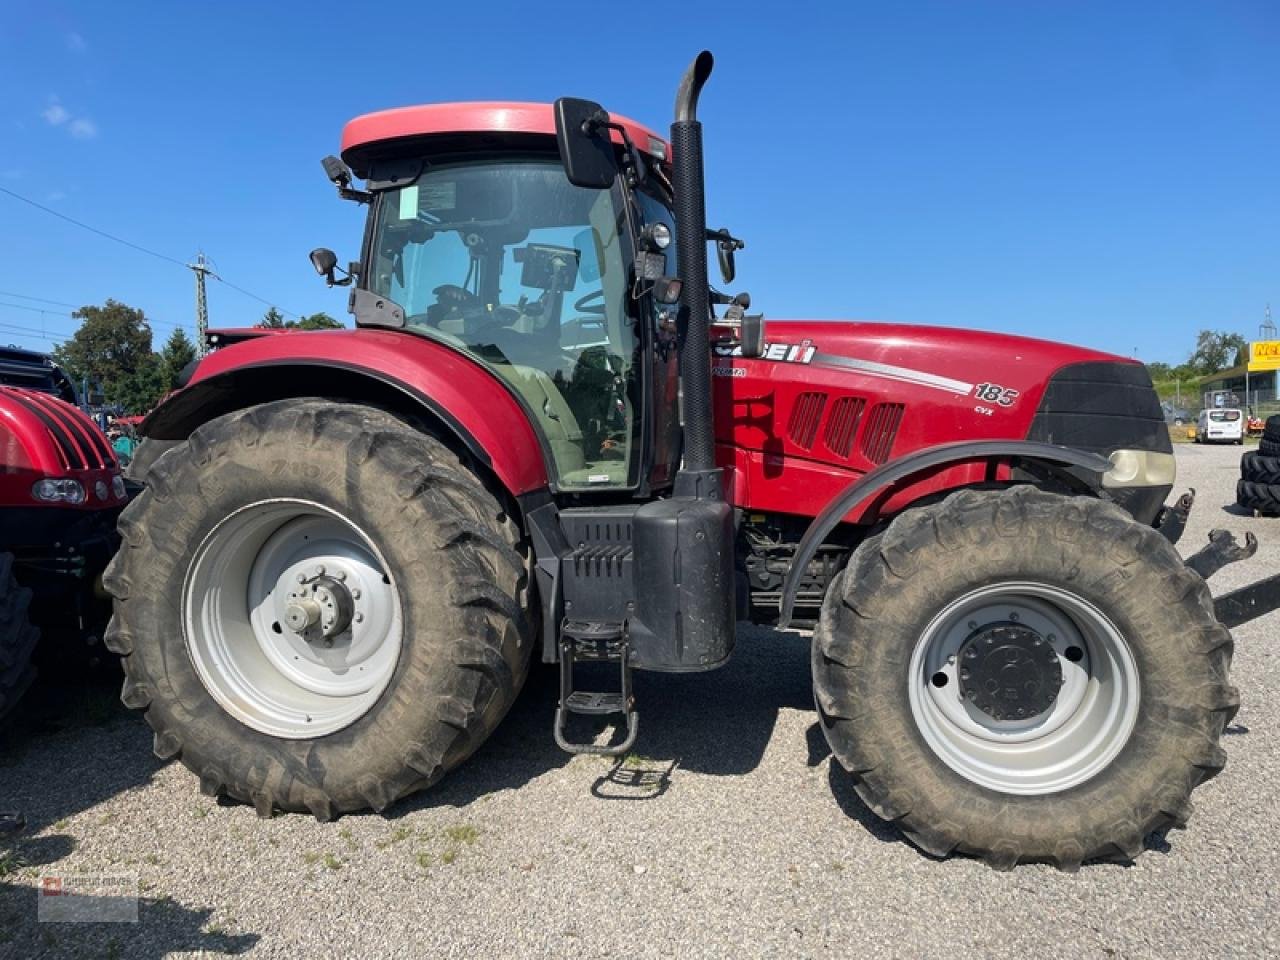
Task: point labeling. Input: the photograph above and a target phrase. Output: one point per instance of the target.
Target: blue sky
(1100, 173)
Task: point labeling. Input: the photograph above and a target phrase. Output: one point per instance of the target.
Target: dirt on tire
(18, 638)
(449, 544)
(878, 608)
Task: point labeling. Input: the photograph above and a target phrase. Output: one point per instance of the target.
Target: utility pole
(200, 268)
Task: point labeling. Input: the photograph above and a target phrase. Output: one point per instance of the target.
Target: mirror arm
(636, 169)
(725, 239)
(359, 196)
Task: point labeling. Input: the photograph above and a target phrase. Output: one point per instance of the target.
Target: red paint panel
(890, 390)
(42, 437)
(488, 117)
(465, 390)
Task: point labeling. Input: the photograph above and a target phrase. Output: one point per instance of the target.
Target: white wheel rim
(277, 680)
(1075, 738)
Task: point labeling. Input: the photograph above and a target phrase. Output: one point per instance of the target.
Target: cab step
(595, 641)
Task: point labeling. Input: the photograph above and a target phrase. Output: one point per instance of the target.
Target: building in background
(1248, 385)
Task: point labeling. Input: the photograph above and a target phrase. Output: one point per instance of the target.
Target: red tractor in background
(543, 441)
(60, 494)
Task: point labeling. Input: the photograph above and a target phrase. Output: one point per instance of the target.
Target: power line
(85, 226)
(59, 313)
(23, 296)
(23, 306)
(135, 246)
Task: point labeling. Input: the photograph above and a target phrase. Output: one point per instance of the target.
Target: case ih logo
(780, 352)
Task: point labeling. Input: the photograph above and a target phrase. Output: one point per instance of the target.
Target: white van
(1220, 426)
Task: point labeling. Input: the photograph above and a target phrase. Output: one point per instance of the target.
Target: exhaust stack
(695, 307)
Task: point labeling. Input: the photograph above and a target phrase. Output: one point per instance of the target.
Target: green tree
(1216, 350)
(141, 390)
(1159, 371)
(177, 353)
(112, 344)
(316, 321)
(273, 319)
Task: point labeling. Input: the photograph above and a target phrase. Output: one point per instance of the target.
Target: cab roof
(460, 119)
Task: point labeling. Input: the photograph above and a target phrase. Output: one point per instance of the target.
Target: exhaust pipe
(691, 247)
(684, 606)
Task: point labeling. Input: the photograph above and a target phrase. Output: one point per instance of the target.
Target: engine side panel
(828, 402)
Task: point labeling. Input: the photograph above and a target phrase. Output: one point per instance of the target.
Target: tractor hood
(949, 359)
(853, 395)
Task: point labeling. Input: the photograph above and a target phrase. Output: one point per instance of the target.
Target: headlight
(1140, 468)
(58, 491)
(117, 486)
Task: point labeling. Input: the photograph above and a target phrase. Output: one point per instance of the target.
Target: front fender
(410, 375)
(883, 476)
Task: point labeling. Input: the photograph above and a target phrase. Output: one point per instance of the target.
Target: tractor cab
(479, 241)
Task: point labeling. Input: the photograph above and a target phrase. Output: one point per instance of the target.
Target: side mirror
(726, 245)
(325, 261)
(585, 148)
(728, 269)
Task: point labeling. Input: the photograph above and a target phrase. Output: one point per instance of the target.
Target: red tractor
(60, 494)
(549, 437)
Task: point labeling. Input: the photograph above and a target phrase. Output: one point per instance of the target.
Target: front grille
(1101, 407)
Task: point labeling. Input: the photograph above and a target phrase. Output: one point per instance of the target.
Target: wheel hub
(1009, 672)
(320, 608)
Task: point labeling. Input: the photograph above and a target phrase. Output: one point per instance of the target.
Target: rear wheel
(1023, 676)
(17, 637)
(319, 607)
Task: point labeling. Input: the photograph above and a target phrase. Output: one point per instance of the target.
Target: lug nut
(973, 624)
(1014, 617)
(355, 593)
(319, 569)
(340, 575)
(358, 617)
(302, 578)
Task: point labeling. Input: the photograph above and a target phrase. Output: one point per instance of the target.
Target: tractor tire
(1259, 469)
(1086, 596)
(1269, 448)
(1262, 497)
(144, 458)
(18, 638)
(1271, 429)
(437, 637)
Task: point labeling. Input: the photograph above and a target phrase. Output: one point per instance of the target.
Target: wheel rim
(292, 620)
(978, 664)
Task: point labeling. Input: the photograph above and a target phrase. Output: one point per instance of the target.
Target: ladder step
(585, 701)
(595, 641)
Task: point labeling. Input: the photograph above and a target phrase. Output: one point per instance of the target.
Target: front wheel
(1023, 676)
(319, 607)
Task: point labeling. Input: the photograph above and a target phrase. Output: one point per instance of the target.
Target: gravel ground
(733, 835)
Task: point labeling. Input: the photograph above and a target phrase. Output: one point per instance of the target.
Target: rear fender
(878, 481)
(408, 375)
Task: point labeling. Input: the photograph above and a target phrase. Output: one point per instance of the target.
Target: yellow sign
(1264, 355)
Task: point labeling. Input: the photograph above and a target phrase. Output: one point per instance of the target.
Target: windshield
(508, 261)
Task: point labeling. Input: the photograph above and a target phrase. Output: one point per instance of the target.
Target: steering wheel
(584, 304)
